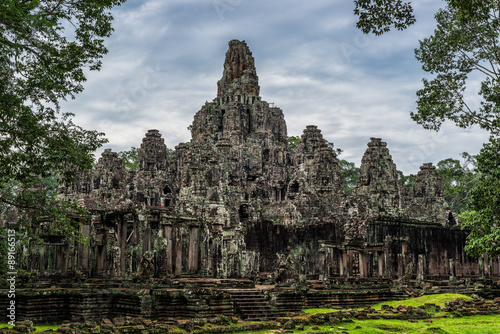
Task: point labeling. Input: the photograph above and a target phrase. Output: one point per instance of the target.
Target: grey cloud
(165, 58)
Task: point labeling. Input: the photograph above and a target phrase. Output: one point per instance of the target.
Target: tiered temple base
(191, 298)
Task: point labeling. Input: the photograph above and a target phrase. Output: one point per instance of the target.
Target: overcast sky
(165, 58)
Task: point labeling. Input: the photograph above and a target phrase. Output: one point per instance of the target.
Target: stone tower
(378, 179)
(239, 81)
(239, 148)
(237, 201)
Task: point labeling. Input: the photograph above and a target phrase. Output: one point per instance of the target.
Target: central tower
(239, 80)
(237, 114)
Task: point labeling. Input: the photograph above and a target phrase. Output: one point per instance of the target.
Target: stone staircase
(252, 304)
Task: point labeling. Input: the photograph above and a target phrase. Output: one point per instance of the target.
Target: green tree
(406, 180)
(337, 150)
(350, 175)
(130, 159)
(293, 143)
(378, 16)
(458, 180)
(464, 43)
(41, 64)
(483, 217)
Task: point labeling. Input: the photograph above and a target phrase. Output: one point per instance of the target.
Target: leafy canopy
(130, 159)
(459, 178)
(483, 217)
(45, 46)
(350, 175)
(465, 42)
(378, 16)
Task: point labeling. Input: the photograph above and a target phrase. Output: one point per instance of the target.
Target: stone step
(252, 304)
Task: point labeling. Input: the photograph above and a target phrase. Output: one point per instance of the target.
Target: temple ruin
(237, 203)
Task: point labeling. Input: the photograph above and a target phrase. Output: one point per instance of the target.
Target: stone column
(401, 265)
(404, 248)
(178, 252)
(421, 270)
(387, 263)
(83, 251)
(453, 273)
(341, 264)
(122, 232)
(363, 270)
(380, 256)
(167, 230)
(193, 250)
(348, 263)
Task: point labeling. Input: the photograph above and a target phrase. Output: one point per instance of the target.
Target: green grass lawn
(438, 299)
(39, 328)
(474, 324)
(479, 324)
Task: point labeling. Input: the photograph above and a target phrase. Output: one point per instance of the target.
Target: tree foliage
(4, 269)
(350, 175)
(293, 143)
(130, 159)
(459, 178)
(406, 180)
(378, 16)
(483, 217)
(465, 42)
(45, 47)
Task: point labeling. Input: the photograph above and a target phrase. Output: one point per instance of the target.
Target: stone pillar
(421, 270)
(61, 252)
(193, 250)
(122, 232)
(401, 265)
(387, 263)
(135, 235)
(83, 251)
(453, 273)
(348, 263)
(341, 264)
(380, 256)
(363, 268)
(404, 248)
(167, 230)
(324, 259)
(146, 245)
(101, 260)
(178, 252)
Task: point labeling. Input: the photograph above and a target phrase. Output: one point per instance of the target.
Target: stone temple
(236, 204)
